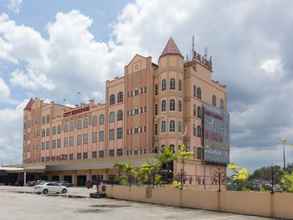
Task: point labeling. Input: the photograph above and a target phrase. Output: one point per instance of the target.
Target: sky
(55, 49)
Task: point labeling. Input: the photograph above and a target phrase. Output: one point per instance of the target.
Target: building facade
(151, 106)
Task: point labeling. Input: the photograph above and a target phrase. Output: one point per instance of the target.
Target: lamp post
(284, 142)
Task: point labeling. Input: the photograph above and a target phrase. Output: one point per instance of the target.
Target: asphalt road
(22, 206)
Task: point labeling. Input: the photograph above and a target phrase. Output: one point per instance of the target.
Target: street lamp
(285, 143)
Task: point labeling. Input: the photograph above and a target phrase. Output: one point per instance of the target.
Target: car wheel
(64, 191)
(45, 191)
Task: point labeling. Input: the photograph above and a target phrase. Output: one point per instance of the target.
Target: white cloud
(14, 5)
(272, 68)
(4, 90)
(31, 80)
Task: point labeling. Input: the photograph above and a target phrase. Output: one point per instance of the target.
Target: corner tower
(169, 99)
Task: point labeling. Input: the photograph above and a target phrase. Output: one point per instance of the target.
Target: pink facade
(149, 107)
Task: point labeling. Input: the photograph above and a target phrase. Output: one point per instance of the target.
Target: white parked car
(50, 187)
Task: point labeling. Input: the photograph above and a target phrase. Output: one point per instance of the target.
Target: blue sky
(53, 49)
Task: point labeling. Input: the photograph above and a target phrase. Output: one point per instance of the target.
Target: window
(101, 136)
(43, 132)
(120, 115)
(156, 109)
(214, 100)
(163, 106)
(79, 139)
(163, 126)
(85, 138)
(199, 112)
(78, 156)
(59, 143)
(162, 148)
(70, 156)
(71, 141)
(47, 144)
(172, 126)
(71, 126)
(141, 90)
(85, 122)
(119, 133)
(179, 124)
(94, 121)
(54, 130)
(94, 137)
(172, 148)
(199, 131)
(180, 85)
(194, 110)
(101, 153)
(112, 117)
(194, 130)
(120, 97)
(111, 134)
(119, 152)
(48, 132)
(180, 106)
(85, 155)
(222, 104)
(172, 104)
(112, 99)
(101, 119)
(172, 83)
(94, 154)
(48, 119)
(79, 124)
(156, 89)
(59, 129)
(65, 141)
(112, 153)
(194, 91)
(136, 92)
(199, 92)
(156, 129)
(43, 145)
(43, 120)
(65, 127)
(54, 143)
(163, 85)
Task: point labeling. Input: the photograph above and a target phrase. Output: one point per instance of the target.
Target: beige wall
(276, 205)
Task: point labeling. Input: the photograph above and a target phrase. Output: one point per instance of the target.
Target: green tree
(287, 182)
(239, 177)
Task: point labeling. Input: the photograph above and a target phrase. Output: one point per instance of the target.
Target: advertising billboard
(216, 138)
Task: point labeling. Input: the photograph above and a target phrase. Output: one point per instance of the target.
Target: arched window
(199, 112)
(179, 125)
(199, 131)
(163, 84)
(112, 99)
(172, 126)
(163, 106)
(156, 109)
(214, 100)
(194, 110)
(120, 97)
(180, 106)
(163, 126)
(194, 130)
(199, 92)
(156, 89)
(222, 104)
(172, 148)
(194, 91)
(172, 83)
(101, 119)
(120, 115)
(180, 85)
(94, 121)
(172, 104)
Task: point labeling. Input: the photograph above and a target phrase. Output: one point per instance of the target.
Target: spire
(171, 48)
(28, 106)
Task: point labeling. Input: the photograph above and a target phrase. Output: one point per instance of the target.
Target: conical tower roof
(171, 48)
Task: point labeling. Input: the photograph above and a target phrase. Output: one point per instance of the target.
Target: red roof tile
(171, 48)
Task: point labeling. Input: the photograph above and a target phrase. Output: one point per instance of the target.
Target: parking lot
(17, 205)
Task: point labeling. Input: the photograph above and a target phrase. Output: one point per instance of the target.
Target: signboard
(216, 135)
(76, 111)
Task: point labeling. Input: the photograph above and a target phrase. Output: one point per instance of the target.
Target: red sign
(76, 111)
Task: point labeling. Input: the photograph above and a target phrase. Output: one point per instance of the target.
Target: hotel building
(149, 107)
